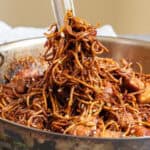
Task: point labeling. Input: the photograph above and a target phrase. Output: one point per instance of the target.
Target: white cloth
(8, 34)
(106, 30)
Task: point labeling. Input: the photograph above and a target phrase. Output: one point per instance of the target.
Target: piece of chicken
(145, 96)
(140, 131)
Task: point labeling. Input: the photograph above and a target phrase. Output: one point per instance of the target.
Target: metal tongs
(59, 8)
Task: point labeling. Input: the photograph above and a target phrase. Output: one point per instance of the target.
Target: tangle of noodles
(79, 92)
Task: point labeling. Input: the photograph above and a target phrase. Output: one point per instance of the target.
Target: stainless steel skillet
(16, 137)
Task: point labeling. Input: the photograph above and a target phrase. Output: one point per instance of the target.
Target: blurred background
(126, 16)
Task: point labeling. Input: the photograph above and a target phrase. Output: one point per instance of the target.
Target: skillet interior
(24, 138)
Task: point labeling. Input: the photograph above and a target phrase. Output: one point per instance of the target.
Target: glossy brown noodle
(80, 93)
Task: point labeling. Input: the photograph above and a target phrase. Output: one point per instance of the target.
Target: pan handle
(1, 59)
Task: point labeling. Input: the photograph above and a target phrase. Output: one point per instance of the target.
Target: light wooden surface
(126, 16)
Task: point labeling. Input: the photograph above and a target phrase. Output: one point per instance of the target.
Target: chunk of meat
(125, 119)
(133, 84)
(28, 73)
(20, 86)
(27, 69)
(81, 130)
(90, 128)
(112, 134)
(126, 73)
(107, 91)
(140, 131)
(130, 82)
(34, 70)
(108, 88)
(145, 96)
